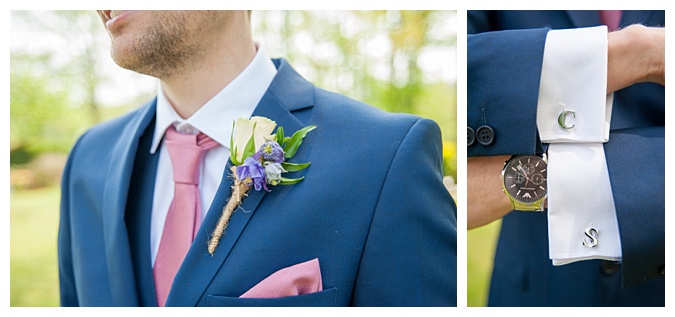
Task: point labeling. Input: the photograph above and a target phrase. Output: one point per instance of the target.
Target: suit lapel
(288, 92)
(119, 260)
(138, 217)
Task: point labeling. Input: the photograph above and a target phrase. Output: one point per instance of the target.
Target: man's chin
(140, 64)
(126, 60)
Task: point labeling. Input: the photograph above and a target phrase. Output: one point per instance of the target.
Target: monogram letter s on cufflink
(592, 235)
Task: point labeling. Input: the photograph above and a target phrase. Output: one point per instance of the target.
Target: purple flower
(252, 171)
(272, 152)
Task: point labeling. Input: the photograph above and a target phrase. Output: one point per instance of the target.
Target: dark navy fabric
(138, 217)
(635, 161)
(493, 93)
(523, 274)
(372, 208)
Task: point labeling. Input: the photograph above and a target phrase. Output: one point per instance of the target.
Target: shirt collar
(237, 99)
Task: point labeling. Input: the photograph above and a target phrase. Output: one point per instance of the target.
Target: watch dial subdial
(537, 178)
(519, 179)
(525, 178)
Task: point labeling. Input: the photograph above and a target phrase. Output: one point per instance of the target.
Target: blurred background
(481, 244)
(62, 81)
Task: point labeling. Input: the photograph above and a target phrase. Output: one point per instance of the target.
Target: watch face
(525, 178)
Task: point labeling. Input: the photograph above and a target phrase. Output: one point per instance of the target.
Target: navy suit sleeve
(68, 290)
(504, 69)
(409, 258)
(638, 187)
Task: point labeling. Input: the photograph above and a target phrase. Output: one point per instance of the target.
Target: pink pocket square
(302, 278)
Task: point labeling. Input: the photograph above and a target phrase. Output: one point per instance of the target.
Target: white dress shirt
(574, 78)
(238, 99)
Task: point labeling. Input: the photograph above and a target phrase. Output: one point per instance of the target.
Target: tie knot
(186, 152)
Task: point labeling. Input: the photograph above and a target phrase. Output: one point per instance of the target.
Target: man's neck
(189, 89)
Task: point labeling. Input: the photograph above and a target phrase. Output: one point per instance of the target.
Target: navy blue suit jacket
(505, 52)
(372, 208)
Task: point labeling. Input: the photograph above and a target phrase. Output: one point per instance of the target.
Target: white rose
(243, 130)
(263, 130)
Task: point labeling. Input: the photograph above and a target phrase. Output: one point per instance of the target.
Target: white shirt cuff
(579, 201)
(582, 219)
(574, 78)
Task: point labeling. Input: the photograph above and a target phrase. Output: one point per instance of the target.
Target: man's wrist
(486, 200)
(657, 66)
(635, 54)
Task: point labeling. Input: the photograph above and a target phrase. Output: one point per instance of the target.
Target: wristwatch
(524, 182)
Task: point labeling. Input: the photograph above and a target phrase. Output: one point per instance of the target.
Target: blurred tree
(42, 119)
(76, 40)
(52, 80)
(399, 61)
(395, 60)
(54, 76)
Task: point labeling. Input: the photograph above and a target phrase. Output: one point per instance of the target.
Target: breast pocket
(325, 298)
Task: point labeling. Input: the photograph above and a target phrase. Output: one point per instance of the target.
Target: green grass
(34, 220)
(481, 244)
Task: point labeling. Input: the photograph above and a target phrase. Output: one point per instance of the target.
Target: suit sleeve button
(485, 135)
(608, 268)
(470, 136)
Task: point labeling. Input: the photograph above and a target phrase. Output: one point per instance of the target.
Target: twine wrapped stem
(239, 191)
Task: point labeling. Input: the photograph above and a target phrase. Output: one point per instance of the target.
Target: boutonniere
(259, 159)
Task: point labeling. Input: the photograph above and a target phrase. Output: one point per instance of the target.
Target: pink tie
(610, 18)
(184, 216)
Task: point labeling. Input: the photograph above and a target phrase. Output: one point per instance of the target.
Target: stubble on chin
(161, 50)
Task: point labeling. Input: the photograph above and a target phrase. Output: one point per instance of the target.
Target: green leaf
(294, 167)
(286, 139)
(232, 136)
(249, 150)
(290, 181)
(233, 155)
(292, 146)
(280, 135)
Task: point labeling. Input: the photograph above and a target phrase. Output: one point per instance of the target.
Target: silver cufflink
(592, 235)
(563, 116)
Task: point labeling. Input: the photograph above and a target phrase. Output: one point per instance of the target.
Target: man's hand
(636, 54)
(486, 201)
